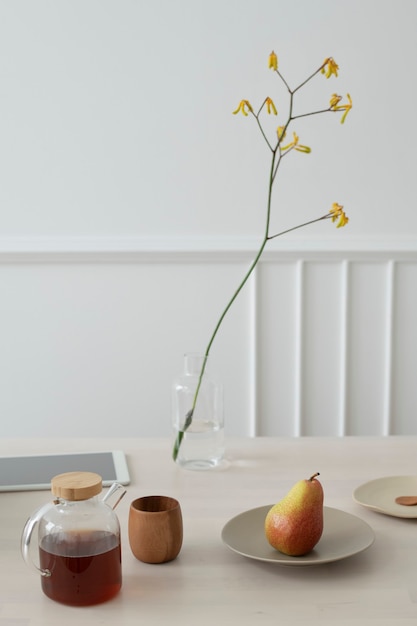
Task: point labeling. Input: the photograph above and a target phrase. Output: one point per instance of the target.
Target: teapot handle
(27, 532)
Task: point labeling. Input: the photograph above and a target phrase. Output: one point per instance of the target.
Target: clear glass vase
(202, 444)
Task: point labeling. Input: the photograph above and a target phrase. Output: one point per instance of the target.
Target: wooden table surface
(208, 583)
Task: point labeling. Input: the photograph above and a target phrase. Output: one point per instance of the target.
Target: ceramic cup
(155, 528)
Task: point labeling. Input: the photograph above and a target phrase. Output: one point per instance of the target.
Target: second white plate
(379, 495)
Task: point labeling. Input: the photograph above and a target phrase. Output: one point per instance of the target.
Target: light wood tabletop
(211, 583)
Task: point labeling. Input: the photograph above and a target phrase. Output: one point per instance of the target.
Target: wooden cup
(155, 528)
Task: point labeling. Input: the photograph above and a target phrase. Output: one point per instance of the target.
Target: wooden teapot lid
(75, 486)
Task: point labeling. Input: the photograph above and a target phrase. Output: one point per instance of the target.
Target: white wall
(116, 116)
(120, 157)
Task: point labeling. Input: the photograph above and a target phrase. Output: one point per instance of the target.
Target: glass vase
(202, 443)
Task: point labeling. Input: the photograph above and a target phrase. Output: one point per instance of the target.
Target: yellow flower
(270, 106)
(244, 107)
(305, 149)
(348, 106)
(294, 143)
(281, 132)
(334, 100)
(332, 67)
(273, 61)
(335, 106)
(337, 212)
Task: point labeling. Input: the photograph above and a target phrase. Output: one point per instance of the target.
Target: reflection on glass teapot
(78, 540)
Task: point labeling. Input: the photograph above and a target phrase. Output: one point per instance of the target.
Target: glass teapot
(78, 541)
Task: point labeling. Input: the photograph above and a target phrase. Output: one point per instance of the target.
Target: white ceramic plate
(343, 535)
(379, 495)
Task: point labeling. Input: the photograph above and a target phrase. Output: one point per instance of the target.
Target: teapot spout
(116, 491)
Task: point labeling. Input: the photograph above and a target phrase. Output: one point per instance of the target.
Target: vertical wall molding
(344, 345)
(299, 349)
(389, 338)
(253, 357)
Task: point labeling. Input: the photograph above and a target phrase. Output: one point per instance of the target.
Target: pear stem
(314, 475)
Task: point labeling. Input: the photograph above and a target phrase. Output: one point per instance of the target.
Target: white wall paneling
(318, 342)
(343, 363)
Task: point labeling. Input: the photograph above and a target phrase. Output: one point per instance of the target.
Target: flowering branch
(278, 152)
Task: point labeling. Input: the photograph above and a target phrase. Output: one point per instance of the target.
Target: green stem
(189, 416)
(290, 230)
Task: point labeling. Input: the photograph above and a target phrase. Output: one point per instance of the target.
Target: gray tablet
(26, 473)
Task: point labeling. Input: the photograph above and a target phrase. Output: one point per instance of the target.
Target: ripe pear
(295, 524)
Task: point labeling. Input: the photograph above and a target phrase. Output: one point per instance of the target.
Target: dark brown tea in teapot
(85, 567)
